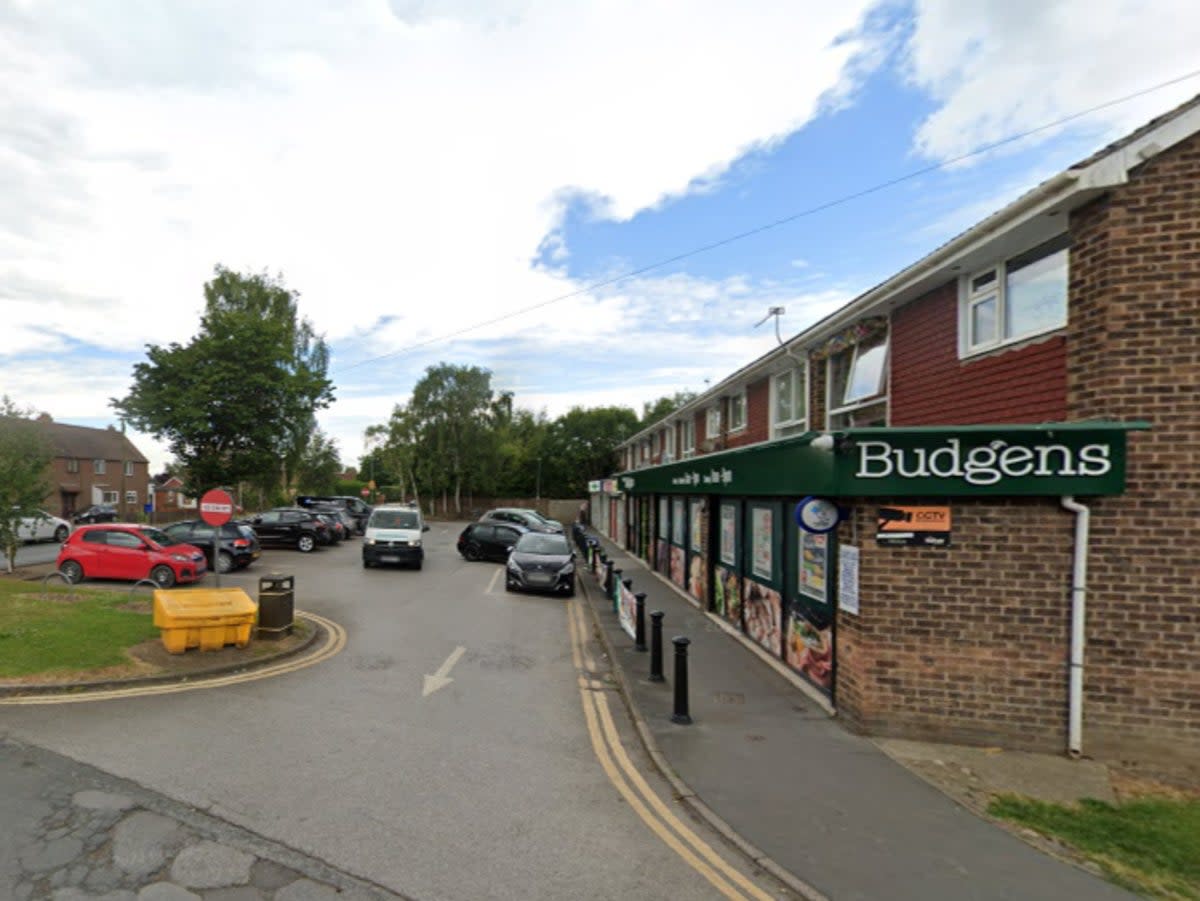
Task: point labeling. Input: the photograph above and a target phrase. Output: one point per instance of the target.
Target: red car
(129, 551)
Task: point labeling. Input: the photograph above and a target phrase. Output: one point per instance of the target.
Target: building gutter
(1078, 621)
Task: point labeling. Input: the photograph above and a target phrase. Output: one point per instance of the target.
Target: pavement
(832, 814)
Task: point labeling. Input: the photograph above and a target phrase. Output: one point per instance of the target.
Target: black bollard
(608, 576)
(680, 715)
(656, 673)
(639, 632)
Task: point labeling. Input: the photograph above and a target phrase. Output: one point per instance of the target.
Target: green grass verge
(54, 635)
(1150, 845)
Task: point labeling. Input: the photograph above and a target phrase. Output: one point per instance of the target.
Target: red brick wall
(967, 643)
(758, 415)
(932, 386)
(1134, 336)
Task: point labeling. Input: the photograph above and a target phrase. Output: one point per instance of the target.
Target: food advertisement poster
(698, 579)
(677, 521)
(814, 563)
(662, 558)
(627, 611)
(809, 647)
(677, 576)
(761, 542)
(727, 595)
(848, 578)
(763, 610)
(663, 517)
(696, 532)
(729, 534)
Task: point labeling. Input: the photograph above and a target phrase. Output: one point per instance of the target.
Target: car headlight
(182, 558)
(368, 541)
(513, 566)
(416, 543)
(567, 570)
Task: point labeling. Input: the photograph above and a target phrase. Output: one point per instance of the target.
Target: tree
(582, 445)
(25, 455)
(653, 411)
(319, 465)
(236, 403)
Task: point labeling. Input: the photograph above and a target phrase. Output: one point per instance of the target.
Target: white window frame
(668, 443)
(72, 465)
(99, 467)
(794, 425)
(996, 290)
(645, 451)
(109, 497)
(881, 397)
(687, 437)
(128, 467)
(131, 497)
(712, 423)
(737, 401)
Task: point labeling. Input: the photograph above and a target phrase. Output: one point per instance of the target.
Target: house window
(98, 467)
(789, 409)
(131, 497)
(72, 465)
(655, 444)
(1021, 297)
(645, 451)
(858, 384)
(669, 442)
(687, 437)
(128, 467)
(108, 497)
(737, 412)
(712, 422)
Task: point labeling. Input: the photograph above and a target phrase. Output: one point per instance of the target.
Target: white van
(393, 535)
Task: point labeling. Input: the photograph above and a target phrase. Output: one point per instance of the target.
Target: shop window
(789, 406)
(99, 467)
(858, 384)
(1018, 298)
(687, 437)
(737, 412)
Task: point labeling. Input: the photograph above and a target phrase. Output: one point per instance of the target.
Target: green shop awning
(1048, 459)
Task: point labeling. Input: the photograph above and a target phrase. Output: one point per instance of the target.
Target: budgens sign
(992, 461)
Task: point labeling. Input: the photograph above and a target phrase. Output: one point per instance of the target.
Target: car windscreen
(395, 519)
(537, 543)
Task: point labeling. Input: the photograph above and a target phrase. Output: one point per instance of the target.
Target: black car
(521, 517)
(356, 507)
(349, 526)
(335, 531)
(239, 545)
(489, 540)
(541, 562)
(96, 513)
(291, 527)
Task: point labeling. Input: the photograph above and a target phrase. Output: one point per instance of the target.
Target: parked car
(97, 513)
(489, 540)
(43, 526)
(520, 517)
(541, 562)
(238, 543)
(348, 523)
(394, 536)
(129, 551)
(554, 524)
(335, 531)
(290, 527)
(356, 507)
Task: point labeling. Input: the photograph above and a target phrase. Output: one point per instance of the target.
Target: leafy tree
(653, 411)
(319, 466)
(581, 445)
(236, 403)
(25, 455)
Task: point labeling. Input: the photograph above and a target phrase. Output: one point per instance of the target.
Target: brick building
(1007, 437)
(91, 466)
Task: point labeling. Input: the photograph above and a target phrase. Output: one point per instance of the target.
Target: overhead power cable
(776, 223)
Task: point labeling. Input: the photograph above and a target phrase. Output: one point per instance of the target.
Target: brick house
(93, 466)
(171, 500)
(1032, 390)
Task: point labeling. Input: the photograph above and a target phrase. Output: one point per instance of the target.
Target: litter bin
(276, 605)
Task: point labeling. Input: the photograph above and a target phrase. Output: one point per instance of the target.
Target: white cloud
(1000, 67)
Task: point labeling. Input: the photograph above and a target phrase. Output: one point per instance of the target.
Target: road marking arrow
(441, 678)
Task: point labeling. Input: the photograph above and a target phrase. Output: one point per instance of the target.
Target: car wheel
(305, 543)
(61, 533)
(472, 552)
(224, 562)
(417, 565)
(72, 572)
(367, 564)
(163, 576)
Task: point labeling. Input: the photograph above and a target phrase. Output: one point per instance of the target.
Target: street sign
(216, 507)
(366, 492)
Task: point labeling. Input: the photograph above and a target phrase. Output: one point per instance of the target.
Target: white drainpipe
(1078, 618)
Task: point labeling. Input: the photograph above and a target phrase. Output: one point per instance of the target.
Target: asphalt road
(489, 787)
(29, 554)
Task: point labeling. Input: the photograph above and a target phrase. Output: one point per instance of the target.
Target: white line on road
(441, 678)
(492, 584)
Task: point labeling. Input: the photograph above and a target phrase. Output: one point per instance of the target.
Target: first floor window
(790, 410)
(712, 422)
(858, 384)
(72, 465)
(1022, 296)
(98, 467)
(128, 467)
(687, 440)
(737, 412)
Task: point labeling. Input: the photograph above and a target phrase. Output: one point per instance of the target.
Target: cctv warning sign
(913, 527)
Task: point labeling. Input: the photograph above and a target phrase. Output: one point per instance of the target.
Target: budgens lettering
(982, 465)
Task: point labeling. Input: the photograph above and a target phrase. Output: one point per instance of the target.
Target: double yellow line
(660, 819)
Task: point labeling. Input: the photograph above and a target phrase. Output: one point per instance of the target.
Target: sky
(432, 177)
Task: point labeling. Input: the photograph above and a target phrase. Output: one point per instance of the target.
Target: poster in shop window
(729, 534)
(848, 578)
(696, 534)
(663, 517)
(814, 563)
(677, 522)
(760, 542)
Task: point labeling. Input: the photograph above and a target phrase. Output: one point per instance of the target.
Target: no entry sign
(216, 507)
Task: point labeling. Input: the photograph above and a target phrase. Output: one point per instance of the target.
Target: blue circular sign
(817, 514)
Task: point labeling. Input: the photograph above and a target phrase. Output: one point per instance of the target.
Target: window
(858, 384)
(789, 409)
(655, 446)
(687, 437)
(72, 465)
(131, 497)
(98, 467)
(108, 497)
(737, 412)
(128, 467)
(712, 422)
(1025, 295)
(125, 539)
(669, 442)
